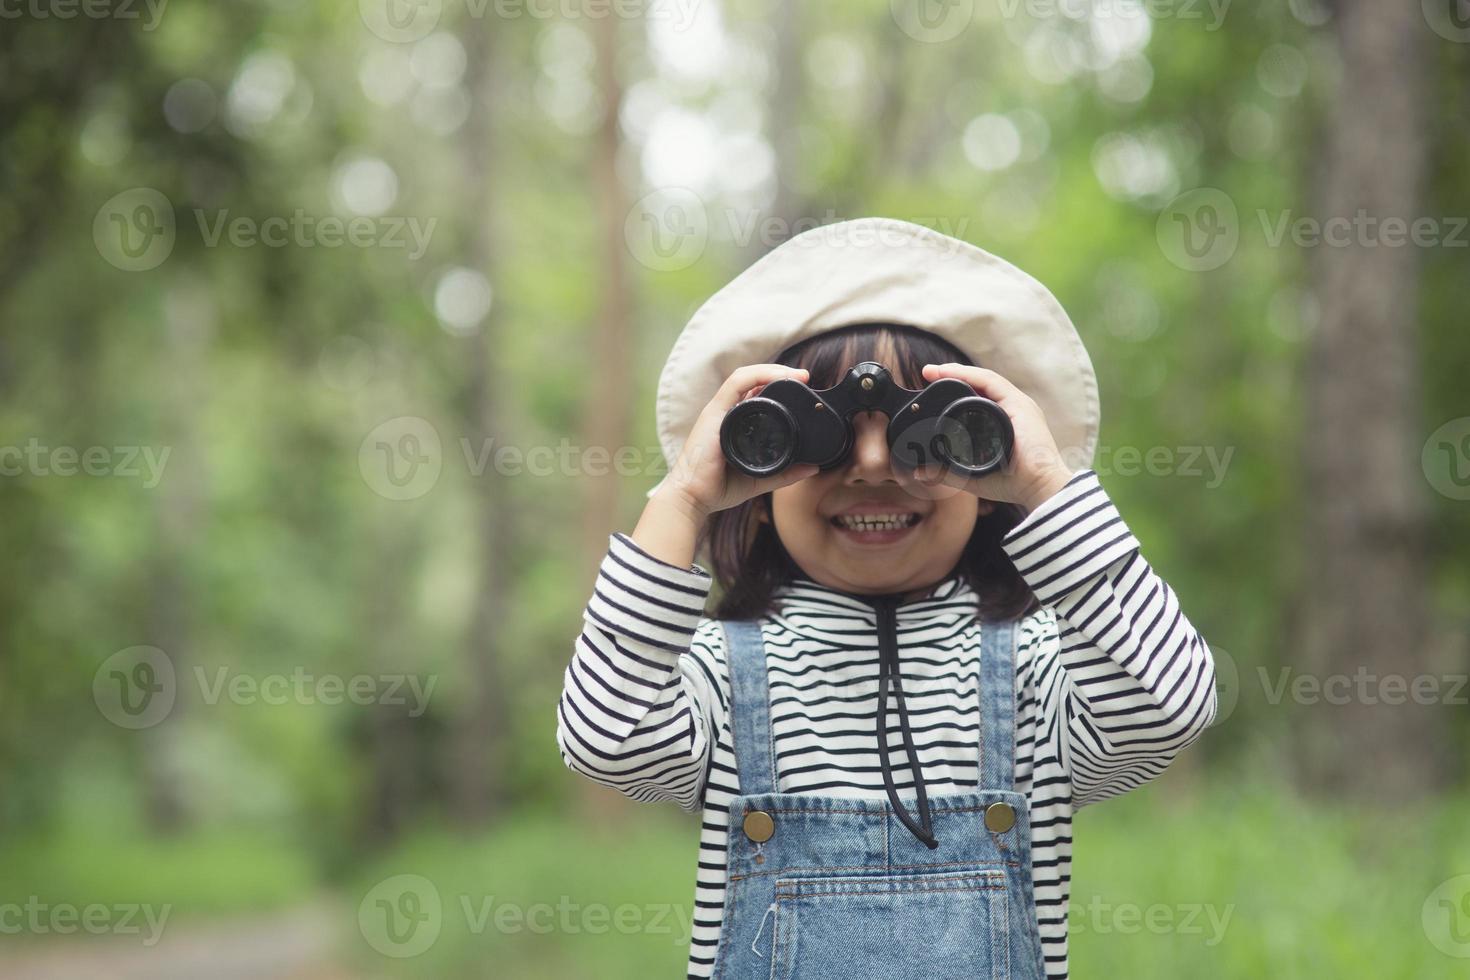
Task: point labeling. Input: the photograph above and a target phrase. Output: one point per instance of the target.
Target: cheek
(795, 512)
(801, 502)
(956, 517)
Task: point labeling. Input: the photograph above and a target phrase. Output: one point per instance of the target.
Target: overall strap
(997, 686)
(750, 708)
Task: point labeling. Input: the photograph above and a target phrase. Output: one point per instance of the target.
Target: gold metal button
(1000, 817)
(759, 826)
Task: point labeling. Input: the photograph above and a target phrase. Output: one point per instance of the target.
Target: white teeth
(877, 522)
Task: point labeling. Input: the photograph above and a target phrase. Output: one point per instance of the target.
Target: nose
(870, 462)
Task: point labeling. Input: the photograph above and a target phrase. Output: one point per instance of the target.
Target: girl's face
(913, 536)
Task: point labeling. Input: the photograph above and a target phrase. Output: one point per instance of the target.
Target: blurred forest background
(282, 629)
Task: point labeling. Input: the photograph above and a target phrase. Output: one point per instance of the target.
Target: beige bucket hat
(885, 270)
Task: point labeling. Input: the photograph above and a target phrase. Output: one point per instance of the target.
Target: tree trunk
(391, 741)
(606, 412)
(480, 727)
(784, 111)
(189, 325)
(1364, 609)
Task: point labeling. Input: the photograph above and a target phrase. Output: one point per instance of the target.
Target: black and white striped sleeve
(1137, 680)
(639, 708)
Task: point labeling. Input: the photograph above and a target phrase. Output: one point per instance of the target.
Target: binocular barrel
(789, 423)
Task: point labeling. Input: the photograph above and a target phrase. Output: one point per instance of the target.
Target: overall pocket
(930, 926)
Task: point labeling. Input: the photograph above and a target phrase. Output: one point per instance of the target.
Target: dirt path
(298, 944)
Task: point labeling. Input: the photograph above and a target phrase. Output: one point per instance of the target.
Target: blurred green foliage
(265, 550)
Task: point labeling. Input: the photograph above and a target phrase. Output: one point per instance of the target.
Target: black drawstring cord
(888, 673)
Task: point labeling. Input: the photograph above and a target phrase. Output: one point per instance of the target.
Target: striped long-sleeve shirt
(1112, 682)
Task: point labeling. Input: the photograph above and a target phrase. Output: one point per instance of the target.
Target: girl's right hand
(701, 482)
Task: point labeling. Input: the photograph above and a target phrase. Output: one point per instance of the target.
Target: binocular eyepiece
(789, 423)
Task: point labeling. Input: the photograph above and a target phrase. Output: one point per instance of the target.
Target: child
(1004, 635)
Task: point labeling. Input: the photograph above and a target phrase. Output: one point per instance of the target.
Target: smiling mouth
(872, 524)
(877, 529)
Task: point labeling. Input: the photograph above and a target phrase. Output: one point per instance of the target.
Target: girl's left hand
(1036, 470)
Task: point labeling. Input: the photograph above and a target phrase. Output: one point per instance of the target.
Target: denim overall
(830, 888)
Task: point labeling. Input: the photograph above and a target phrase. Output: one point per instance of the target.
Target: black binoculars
(789, 423)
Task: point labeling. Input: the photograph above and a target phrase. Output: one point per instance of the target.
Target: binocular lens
(759, 436)
(976, 435)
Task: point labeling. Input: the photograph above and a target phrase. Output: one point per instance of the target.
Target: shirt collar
(811, 607)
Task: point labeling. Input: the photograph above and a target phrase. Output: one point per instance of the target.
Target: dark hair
(746, 555)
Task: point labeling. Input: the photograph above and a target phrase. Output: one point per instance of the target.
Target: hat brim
(888, 271)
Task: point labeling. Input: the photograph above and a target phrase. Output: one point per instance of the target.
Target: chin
(878, 578)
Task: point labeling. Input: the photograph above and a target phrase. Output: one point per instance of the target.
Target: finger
(991, 384)
(744, 379)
